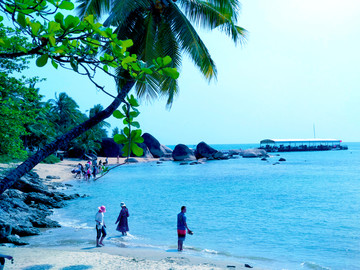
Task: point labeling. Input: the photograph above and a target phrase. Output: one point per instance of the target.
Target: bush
(52, 159)
(8, 159)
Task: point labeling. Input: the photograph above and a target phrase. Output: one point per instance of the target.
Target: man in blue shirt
(182, 227)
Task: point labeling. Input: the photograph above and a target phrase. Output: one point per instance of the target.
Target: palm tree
(64, 112)
(164, 27)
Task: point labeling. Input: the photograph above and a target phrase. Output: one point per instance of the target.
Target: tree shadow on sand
(77, 267)
(39, 267)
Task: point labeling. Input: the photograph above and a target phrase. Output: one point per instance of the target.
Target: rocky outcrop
(156, 149)
(183, 153)
(109, 148)
(203, 150)
(26, 206)
(254, 153)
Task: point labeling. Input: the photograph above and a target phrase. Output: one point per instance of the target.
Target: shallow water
(300, 214)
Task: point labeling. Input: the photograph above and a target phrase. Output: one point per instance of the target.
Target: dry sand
(108, 258)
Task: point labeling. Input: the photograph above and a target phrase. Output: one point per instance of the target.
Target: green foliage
(129, 137)
(17, 98)
(52, 159)
(68, 41)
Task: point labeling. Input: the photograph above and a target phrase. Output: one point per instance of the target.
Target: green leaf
(55, 65)
(42, 60)
(135, 124)
(126, 131)
(133, 102)
(21, 20)
(138, 151)
(59, 18)
(117, 114)
(136, 133)
(52, 40)
(74, 64)
(134, 114)
(127, 43)
(171, 72)
(1, 18)
(120, 139)
(35, 27)
(71, 21)
(53, 26)
(167, 60)
(66, 5)
(147, 71)
(125, 150)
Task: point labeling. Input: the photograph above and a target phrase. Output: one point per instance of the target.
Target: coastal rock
(282, 159)
(26, 186)
(132, 160)
(253, 153)
(184, 163)
(264, 159)
(156, 149)
(109, 148)
(203, 150)
(183, 153)
(24, 208)
(36, 198)
(166, 159)
(235, 152)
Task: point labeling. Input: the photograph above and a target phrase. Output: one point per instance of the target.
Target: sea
(302, 213)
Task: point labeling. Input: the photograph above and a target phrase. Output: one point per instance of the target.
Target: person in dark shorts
(100, 226)
(182, 227)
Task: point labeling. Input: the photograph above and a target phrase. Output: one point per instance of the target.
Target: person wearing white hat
(100, 226)
(123, 225)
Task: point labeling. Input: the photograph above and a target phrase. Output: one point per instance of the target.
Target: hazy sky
(299, 67)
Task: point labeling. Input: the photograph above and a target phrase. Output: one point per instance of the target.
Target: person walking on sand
(100, 226)
(123, 226)
(182, 227)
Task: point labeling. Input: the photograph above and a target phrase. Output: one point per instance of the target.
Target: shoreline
(109, 258)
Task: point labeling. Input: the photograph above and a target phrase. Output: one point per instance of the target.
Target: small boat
(297, 145)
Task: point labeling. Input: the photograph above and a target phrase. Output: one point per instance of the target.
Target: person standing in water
(123, 226)
(182, 227)
(100, 226)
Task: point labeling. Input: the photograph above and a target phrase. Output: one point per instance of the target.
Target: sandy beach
(108, 258)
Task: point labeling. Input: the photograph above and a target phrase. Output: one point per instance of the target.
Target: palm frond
(190, 42)
(94, 7)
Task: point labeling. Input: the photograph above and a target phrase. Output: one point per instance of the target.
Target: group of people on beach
(122, 222)
(91, 168)
(123, 226)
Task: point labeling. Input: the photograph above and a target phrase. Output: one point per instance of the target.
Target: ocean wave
(74, 224)
(315, 266)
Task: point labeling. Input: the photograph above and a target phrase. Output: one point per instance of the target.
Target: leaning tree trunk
(63, 140)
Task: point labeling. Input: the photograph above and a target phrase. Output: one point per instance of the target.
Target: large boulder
(183, 153)
(253, 153)
(156, 149)
(109, 148)
(203, 150)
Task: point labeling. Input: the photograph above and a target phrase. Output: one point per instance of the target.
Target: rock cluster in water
(25, 207)
(154, 149)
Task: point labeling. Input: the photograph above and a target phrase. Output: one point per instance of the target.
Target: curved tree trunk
(63, 140)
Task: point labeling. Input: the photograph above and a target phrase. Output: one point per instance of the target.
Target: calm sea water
(301, 214)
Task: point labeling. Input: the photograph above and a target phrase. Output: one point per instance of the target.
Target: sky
(298, 69)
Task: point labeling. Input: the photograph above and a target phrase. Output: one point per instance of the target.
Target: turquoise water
(301, 214)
